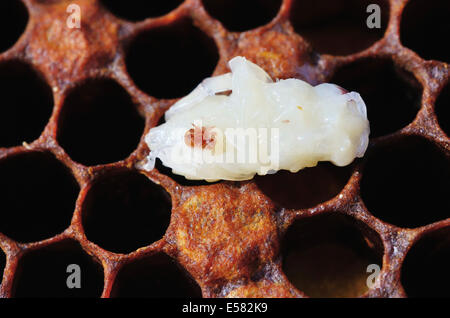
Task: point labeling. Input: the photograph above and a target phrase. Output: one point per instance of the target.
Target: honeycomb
(77, 102)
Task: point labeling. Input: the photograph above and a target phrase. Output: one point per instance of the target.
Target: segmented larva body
(260, 127)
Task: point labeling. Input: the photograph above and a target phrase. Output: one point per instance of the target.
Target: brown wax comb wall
(76, 103)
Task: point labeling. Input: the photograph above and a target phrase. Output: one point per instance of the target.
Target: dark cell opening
(443, 109)
(124, 211)
(238, 15)
(38, 195)
(99, 123)
(392, 95)
(155, 276)
(2, 264)
(328, 256)
(425, 269)
(407, 183)
(425, 27)
(338, 27)
(306, 188)
(13, 21)
(27, 103)
(170, 61)
(46, 272)
(140, 10)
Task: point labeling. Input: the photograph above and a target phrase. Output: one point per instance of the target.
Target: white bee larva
(242, 123)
